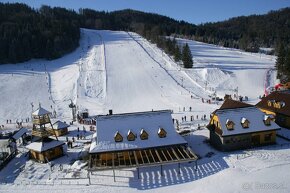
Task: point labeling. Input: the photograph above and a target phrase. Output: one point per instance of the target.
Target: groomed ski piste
(124, 72)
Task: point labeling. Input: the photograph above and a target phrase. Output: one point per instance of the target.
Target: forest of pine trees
(283, 64)
(26, 33)
(50, 33)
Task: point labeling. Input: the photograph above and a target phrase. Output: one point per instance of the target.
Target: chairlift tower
(73, 108)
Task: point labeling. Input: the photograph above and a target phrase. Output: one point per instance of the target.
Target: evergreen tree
(280, 61)
(177, 54)
(287, 67)
(187, 57)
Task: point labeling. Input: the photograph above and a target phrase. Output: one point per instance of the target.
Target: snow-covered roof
(60, 125)
(41, 111)
(252, 114)
(19, 133)
(282, 97)
(107, 126)
(40, 146)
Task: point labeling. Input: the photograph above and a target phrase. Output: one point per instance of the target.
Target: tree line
(283, 63)
(27, 33)
(50, 33)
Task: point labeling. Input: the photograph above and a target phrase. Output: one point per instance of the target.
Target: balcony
(41, 121)
(42, 132)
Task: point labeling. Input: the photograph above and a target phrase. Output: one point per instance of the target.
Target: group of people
(183, 118)
(205, 100)
(81, 135)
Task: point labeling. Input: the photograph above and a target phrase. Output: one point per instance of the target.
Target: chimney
(110, 112)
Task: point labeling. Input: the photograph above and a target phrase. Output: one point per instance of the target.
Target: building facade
(277, 104)
(137, 140)
(238, 125)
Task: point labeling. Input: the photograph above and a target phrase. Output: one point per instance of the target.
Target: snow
(41, 111)
(151, 122)
(239, 115)
(124, 72)
(241, 66)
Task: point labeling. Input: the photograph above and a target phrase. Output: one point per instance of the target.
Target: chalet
(278, 105)
(137, 140)
(238, 125)
(60, 128)
(20, 136)
(43, 148)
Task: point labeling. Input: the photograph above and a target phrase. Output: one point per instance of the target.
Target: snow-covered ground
(124, 72)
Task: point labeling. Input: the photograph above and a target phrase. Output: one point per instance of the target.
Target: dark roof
(233, 104)
(278, 96)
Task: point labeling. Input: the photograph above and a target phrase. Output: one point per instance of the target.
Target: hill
(249, 33)
(45, 33)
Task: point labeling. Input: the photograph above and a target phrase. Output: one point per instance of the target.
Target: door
(256, 140)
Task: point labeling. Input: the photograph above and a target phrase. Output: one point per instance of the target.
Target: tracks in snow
(181, 78)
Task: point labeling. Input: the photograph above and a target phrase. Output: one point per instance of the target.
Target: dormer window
(267, 120)
(143, 135)
(230, 124)
(282, 104)
(161, 132)
(118, 137)
(245, 122)
(131, 136)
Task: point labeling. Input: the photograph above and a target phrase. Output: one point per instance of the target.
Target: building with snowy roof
(43, 148)
(277, 104)
(60, 128)
(238, 125)
(137, 140)
(20, 136)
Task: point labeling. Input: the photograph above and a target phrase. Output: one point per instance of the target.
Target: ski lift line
(161, 65)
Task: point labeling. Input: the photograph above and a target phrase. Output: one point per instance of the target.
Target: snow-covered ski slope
(225, 69)
(124, 72)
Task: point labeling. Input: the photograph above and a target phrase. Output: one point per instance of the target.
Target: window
(267, 120)
(161, 132)
(118, 137)
(245, 122)
(230, 124)
(143, 134)
(267, 137)
(131, 136)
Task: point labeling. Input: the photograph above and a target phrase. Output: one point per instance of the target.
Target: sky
(192, 11)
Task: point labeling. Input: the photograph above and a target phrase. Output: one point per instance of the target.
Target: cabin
(237, 125)
(45, 150)
(277, 104)
(136, 140)
(60, 128)
(20, 136)
(43, 147)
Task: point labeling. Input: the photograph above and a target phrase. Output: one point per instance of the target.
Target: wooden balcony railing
(43, 132)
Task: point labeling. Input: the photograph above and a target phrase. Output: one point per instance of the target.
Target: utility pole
(73, 108)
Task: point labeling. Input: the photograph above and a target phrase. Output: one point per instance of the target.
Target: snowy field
(124, 72)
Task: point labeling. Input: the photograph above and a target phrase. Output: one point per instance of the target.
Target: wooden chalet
(277, 104)
(20, 136)
(137, 140)
(43, 148)
(237, 125)
(60, 128)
